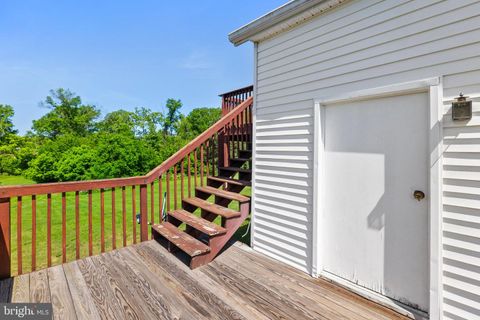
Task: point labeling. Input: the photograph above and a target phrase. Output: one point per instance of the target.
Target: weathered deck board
(318, 289)
(155, 294)
(144, 281)
(301, 298)
(39, 288)
(267, 302)
(82, 300)
(124, 286)
(101, 292)
(21, 288)
(60, 294)
(207, 304)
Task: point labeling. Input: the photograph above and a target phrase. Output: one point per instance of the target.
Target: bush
(120, 155)
(76, 164)
(43, 168)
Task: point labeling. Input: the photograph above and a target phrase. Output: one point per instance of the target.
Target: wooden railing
(76, 219)
(232, 99)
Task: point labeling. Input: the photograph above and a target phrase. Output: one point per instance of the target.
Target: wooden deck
(144, 281)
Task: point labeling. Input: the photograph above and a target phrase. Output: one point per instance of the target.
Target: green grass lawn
(13, 180)
(56, 218)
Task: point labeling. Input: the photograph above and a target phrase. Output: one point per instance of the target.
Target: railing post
(222, 150)
(143, 213)
(224, 106)
(5, 253)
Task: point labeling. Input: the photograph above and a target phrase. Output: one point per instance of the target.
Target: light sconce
(462, 108)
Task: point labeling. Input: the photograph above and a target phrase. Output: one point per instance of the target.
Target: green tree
(67, 116)
(44, 167)
(68, 143)
(168, 145)
(26, 149)
(75, 164)
(147, 121)
(6, 123)
(120, 121)
(197, 121)
(16, 152)
(121, 155)
(172, 117)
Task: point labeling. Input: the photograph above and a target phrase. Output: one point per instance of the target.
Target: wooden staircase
(200, 223)
(193, 228)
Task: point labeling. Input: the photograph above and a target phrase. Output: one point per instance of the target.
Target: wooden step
(223, 194)
(241, 159)
(212, 208)
(205, 226)
(228, 180)
(234, 169)
(181, 240)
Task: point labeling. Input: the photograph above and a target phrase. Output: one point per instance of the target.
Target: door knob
(419, 195)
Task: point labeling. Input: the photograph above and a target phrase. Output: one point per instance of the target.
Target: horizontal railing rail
(54, 212)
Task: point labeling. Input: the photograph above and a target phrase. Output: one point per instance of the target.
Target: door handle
(419, 195)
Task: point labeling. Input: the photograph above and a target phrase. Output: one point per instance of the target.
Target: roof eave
(274, 17)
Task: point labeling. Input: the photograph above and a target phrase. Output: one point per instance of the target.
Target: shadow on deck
(144, 281)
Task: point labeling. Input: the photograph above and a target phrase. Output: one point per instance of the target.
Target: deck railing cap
(247, 88)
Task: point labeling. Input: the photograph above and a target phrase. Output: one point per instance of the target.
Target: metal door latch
(419, 195)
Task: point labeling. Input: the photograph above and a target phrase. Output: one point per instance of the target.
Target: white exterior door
(375, 233)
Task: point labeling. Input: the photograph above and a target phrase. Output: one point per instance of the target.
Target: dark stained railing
(233, 98)
(82, 218)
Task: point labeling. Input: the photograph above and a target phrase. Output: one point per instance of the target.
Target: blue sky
(122, 54)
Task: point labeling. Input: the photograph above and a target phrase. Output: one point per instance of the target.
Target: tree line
(72, 142)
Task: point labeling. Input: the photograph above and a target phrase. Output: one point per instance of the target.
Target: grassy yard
(56, 218)
(13, 180)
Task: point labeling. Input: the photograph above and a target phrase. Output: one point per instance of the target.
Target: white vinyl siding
(461, 213)
(283, 188)
(365, 44)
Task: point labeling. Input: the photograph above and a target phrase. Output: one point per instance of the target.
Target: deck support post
(5, 253)
(143, 213)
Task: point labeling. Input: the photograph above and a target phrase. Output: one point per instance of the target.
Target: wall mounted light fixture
(462, 108)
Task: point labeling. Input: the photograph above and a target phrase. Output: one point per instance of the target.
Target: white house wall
(461, 216)
(361, 45)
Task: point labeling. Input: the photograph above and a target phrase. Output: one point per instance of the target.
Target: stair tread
(224, 194)
(213, 208)
(230, 180)
(240, 159)
(235, 169)
(197, 223)
(182, 240)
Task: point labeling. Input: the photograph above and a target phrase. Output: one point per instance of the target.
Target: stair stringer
(218, 243)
